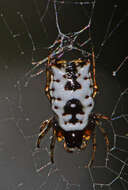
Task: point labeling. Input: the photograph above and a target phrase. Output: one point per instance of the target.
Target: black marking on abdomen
(71, 75)
(74, 85)
(73, 107)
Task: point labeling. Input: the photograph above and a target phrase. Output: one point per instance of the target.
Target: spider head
(73, 140)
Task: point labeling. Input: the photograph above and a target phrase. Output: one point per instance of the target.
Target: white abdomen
(72, 100)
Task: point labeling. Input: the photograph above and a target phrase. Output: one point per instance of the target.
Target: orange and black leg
(45, 126)
(52, 145)
(105, 136)
(48, 80)
(89, 133)
(95, 87)
(100, 116)
(94, 150)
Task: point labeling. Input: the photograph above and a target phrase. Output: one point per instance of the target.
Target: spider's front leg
(95, 87)
(48, 80)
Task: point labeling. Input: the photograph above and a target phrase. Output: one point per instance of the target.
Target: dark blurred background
(26, 30)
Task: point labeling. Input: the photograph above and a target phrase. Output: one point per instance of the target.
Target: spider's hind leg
(44, 128)
(100, 116)
(94, 151)
(52, 146)
(105, 136)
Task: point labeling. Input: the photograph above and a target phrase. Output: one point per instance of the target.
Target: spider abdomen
(71, 90)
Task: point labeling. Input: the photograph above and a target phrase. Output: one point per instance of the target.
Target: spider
(71, 88)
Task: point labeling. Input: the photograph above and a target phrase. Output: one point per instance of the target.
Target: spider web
(29, 30)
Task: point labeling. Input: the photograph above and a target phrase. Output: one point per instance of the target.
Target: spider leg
(100, 116)
(94, 150)
(105, 136)
(95, 87)
(48, 80)
(52, 145)
(45, 126)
